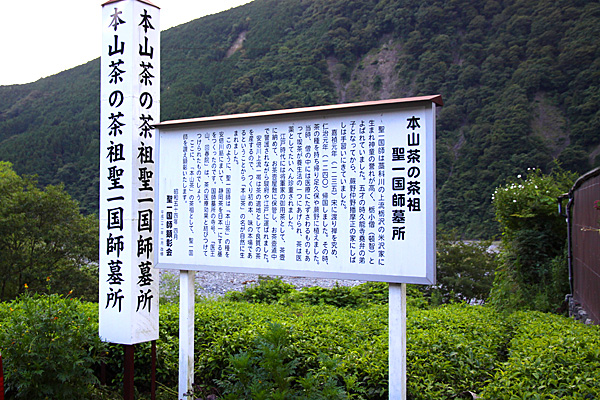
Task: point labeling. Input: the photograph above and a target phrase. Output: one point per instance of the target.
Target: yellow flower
(26, 287)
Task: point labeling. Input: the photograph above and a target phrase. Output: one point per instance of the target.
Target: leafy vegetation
(532, 273)
(464, 270)
(548, 359)
(43, 234)
(268, 369)
(268, 290)
(294, 350)
(452, 350)
(517, 94)
(50, 346)
(275, 291)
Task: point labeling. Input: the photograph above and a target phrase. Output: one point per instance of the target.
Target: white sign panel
(344, 191)
(130, 104)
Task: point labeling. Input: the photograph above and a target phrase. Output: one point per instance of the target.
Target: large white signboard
(344, 191)
(130, 101)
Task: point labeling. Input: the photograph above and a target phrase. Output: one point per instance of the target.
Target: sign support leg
(153, 372)
(186, 332)
(1, 379)
(397, 341)
(128, 376)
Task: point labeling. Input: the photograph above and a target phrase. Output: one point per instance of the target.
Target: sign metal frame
(270, 118)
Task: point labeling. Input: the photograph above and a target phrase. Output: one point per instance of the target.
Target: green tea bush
(337, 296)
(318, 337)
(268, 368)
(550, 357)
(363, 295)
(50, 346)
(453, 349)
(293, 350)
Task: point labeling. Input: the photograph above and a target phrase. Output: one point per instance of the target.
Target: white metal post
(397, 341)
(186, 332)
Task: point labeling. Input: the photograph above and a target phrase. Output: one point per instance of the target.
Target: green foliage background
(531, 272)
(42, 235)
(293, 350)
(464, 270)
(519, 79)
(50, 346)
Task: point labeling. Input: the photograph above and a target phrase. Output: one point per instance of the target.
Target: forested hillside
(520, 81)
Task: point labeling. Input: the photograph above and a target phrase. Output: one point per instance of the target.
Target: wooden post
(153, 372)
(128, 385)
(1, 380)
(102, 373)
(397, 341)
(186, 332)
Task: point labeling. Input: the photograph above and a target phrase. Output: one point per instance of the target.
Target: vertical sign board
(344, 191)
(130, 105)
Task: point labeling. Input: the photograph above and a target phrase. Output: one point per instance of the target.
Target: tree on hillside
(517, 94)
(42, 236)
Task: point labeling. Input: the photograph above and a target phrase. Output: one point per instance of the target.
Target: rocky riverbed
(216, 284)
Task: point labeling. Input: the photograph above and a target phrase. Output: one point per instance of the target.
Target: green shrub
(268, 368)
(533, 243)
(50, 346)
(300, 351)
(465, 270)
(272, 290)
(453, 349)
(337, 296)
(268, 290)
(318, 336)
(363, 295)
(550, 357)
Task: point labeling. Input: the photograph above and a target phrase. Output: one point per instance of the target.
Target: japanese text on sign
(129, 107)
(331, 195)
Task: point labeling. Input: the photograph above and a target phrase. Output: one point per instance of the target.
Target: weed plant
(50, 347)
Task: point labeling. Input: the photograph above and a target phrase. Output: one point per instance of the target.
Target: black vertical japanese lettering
(116, 19)
(118, 49)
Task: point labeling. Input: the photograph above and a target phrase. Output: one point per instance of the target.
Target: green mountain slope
(520, 82)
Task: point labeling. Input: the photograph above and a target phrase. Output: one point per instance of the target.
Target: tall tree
(45, 243)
